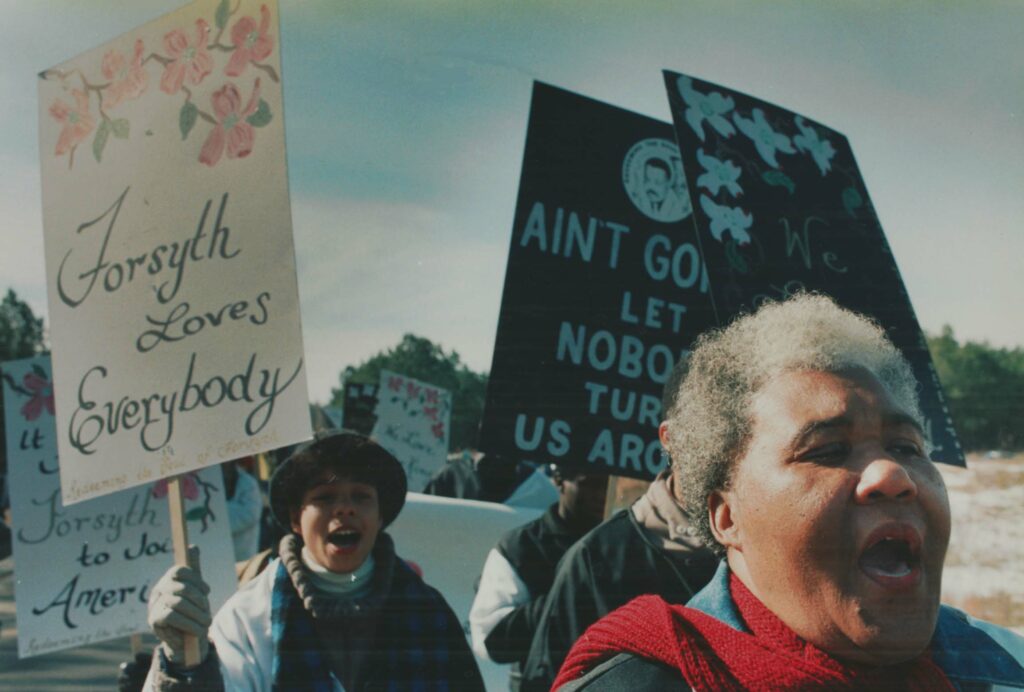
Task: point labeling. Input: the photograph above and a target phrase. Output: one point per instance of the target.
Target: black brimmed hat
(343, 452)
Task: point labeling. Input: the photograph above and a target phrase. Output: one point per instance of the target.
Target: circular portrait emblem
(652, 174)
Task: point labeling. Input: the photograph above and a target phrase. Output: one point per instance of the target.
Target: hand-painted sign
(84, 572)
(604, 290)
(170, 264)
(413, 423)
(781, 207)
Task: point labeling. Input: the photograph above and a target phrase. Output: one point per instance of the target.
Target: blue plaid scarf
(417, 643)
(300, 664)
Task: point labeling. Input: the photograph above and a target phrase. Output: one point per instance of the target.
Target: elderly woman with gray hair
(798, 444)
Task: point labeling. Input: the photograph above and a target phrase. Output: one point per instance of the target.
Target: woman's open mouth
(892, 557)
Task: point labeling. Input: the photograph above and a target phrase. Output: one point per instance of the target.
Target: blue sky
(405, 126)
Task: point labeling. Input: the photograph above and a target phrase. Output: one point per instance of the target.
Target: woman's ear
(296, 515)
(663, 434)
(723, 519)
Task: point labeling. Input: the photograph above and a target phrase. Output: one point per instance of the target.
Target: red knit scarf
(711, 655)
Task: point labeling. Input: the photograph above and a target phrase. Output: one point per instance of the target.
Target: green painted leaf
(736, 260)
(100, 140)
(38, 370)
(262, 116)
(222, 14)
(187, 118)
(779, 179)
(196, 514)
(852, 201)
(120, 128)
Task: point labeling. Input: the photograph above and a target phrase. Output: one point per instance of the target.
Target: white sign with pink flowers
(413, 423)
(83, 573)
(173, 301)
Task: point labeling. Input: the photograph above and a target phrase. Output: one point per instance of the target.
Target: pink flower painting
(438, 430)
(41, 396)
(252, 43)
(189, 59)
(189, 487)
(225, 43)
(231, 133)
(128, 80)
(395, 384)
(76, 121)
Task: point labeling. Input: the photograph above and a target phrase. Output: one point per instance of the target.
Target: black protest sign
(781, 207)
(604, 290)
(360, 404)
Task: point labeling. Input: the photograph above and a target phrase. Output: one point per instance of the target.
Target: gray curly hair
(710, 423)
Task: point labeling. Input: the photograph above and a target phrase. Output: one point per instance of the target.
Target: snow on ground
(984, 572)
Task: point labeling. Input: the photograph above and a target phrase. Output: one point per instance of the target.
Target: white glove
(178, 606)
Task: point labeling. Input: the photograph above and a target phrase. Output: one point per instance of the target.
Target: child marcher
(337, 610)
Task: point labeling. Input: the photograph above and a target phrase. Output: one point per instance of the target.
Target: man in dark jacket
(649, 548)
(519, 570)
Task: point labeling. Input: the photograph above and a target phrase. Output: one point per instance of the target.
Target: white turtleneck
(346, 585)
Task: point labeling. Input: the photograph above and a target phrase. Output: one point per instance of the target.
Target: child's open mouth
(345, 540)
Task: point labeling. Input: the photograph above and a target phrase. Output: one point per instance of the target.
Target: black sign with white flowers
(781, 207)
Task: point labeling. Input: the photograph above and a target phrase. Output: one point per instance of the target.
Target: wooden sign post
(179, 539)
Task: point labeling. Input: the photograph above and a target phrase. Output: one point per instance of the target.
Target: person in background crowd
(799, 445)
(338, 610)
(475, 476)
(519, 570)
(245, 507)
(649, 548)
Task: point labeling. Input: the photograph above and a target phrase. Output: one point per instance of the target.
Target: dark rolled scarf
(711, 655)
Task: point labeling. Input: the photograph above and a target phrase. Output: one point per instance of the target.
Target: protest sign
(604, 290)
(781, 207)
(423, 536)
(84, 572)
(360, 404)
(173, 302)
(413, 423)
